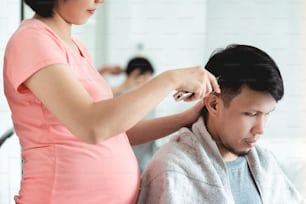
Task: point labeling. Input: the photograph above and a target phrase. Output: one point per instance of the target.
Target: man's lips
(250, 143)
(91, 11)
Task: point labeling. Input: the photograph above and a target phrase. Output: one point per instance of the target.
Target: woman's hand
(196, 80)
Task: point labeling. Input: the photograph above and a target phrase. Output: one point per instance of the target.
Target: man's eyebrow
(258, 111)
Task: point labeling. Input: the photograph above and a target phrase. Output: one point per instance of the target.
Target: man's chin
(234, 151)
(241, 153)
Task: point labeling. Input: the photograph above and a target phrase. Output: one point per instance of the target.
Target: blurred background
(173, 34)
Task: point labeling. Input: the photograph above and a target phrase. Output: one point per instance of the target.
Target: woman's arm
(148, 130)
(64, 96)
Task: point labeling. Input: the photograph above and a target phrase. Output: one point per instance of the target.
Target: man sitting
(217, 161)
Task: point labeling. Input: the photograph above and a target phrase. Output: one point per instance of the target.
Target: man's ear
(212, 104)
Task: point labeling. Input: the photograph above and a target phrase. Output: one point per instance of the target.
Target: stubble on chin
(232, 150)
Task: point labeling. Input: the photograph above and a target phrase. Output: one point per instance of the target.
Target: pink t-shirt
(58, 167)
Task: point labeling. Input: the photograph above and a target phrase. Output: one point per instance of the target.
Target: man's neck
(225, 154)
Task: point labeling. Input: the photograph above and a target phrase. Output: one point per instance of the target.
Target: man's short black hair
(139, 63)
(239, 65)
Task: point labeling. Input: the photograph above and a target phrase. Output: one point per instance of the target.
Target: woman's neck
(61, 28)
(58, 25)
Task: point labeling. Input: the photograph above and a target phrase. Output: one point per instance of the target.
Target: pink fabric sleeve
(30, 51)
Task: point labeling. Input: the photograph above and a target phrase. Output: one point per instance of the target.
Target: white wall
(170, 31)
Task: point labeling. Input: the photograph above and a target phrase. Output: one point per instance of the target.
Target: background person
(138, 71)
(110, 69)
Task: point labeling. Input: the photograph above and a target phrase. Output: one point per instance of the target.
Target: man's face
(238, 126)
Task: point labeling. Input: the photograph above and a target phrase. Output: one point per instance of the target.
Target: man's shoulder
(179, 148)
(178, 156)
(262, 156)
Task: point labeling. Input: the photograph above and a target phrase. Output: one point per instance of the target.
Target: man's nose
(259, 126)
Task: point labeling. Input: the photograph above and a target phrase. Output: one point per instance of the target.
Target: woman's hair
(43, 8)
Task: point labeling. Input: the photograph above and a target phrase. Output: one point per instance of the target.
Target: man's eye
(253, 114)
(267, 114)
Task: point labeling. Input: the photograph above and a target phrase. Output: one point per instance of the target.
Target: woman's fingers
(214, 83)
(196, 83)
(208, 85)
